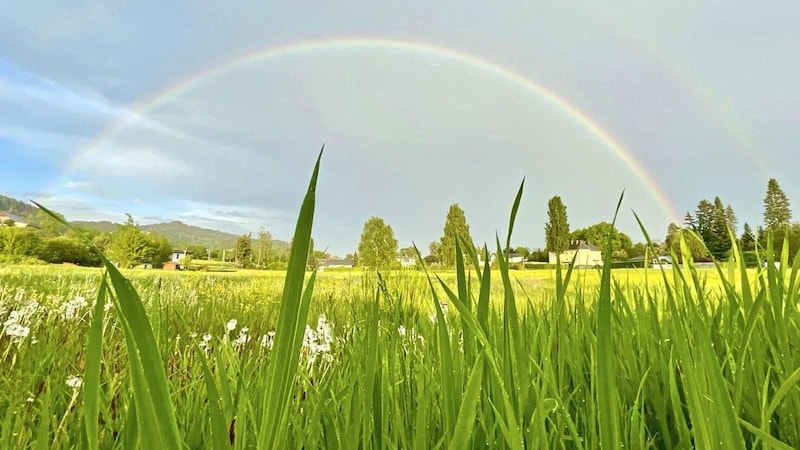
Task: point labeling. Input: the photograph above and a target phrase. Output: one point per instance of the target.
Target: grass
(474, 358)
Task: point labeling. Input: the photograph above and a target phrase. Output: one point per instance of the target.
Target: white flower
(73, 307)
(74, 381)
(207, 337)
(268, 340)
(243, 338)
(401, 330)
(17, 332)
(231, 325)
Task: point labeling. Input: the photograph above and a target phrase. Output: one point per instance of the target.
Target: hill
(25, 210)
(176, 232)
(180, 233)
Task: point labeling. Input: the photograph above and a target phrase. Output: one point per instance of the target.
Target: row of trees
(50, 241)
(712, 224)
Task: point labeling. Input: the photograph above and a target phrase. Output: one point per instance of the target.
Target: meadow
(468, 358)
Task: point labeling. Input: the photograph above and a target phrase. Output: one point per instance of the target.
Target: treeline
(708, 231)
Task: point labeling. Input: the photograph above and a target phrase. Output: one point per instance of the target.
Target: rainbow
(421, 48)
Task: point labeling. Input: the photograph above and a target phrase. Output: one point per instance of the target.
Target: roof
(583, 245)
(7, 215)
(339, 262)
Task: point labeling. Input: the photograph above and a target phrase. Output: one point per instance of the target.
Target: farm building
(6, 217)
(337, 263)
(178, 254)
(584, 254)
(407, 261)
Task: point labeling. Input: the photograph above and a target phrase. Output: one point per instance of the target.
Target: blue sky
(703, 95)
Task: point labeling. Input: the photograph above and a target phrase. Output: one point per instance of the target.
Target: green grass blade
(91, 375)
(608, 413)
(466, 414)
(292, 320)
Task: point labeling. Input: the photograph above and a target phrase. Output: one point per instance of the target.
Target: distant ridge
(179, 233)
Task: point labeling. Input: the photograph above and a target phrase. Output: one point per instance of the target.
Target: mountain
(179, 233)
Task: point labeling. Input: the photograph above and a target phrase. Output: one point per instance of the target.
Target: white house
(178, 254)
(584, 254)
(337, 263)
(407, 261)
(19, 222)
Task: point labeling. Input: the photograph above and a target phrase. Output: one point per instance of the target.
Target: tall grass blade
(292, 319)
(151, 394)
(91, 374)
(607, 398)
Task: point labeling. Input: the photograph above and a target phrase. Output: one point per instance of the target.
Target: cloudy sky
(212, 112)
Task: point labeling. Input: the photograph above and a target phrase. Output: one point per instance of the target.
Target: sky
(213, 113)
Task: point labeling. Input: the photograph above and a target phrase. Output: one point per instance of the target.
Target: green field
(376, 369)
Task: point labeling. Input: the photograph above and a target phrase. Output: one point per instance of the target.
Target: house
(337, 263)
(516, 258)
(178, 254)
(582, 252)
(407, 261)
(6, 217)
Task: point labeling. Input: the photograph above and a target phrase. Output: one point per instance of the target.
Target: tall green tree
(378, 246)
(263, 248)
(777, 213)
(748, 239)
(733, 222)
(719, 242)
(692, 238)
(455, 227)
(597, 234)
(243, 251)
(129, 245)
(556, 230)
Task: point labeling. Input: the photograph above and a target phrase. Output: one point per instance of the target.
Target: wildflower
(268, 340)
(401, 330)
(17, 331)
(231, 325)
(74, 381)
(243, 337)
(73, 307)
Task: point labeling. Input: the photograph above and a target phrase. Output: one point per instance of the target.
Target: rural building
(19, 222)
(337, 263)
(516, 258)
(170, 266)
(178, 254)
(584, 254)
(407, 261)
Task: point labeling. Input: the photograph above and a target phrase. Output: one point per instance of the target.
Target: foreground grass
(477, 359)
(341, 399)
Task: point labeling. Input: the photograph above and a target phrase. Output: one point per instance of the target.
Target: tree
(556, 231)
(748, 239)
(378, 245)
(455, 227)
(433, 250)
(777, 213)
(263, 248)
(693, 241)
(597, 234)
(703, 221)
(407, 252)
(243, 251)
(718, 241)
(129, 246)
(733, 222)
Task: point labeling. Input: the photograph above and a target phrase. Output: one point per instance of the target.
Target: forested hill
(179, 233)
(28, 211)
